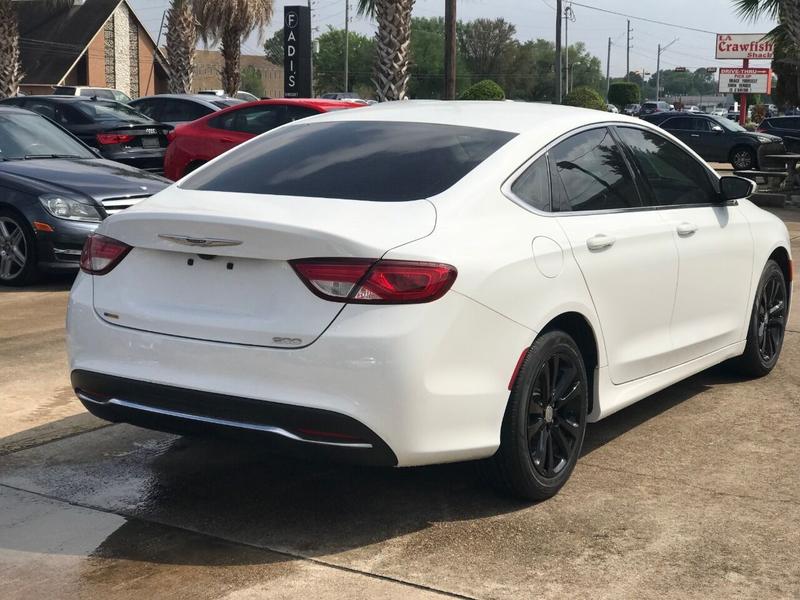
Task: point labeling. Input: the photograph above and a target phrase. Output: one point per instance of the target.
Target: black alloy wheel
(767, 324)
(545, 420)
(554, 419)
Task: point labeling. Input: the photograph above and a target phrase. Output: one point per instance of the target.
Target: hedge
(585, 97)
(484, 90)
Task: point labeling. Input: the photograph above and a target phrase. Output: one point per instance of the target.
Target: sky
(536, 19)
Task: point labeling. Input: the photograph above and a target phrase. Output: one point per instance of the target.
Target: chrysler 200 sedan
(426, 282)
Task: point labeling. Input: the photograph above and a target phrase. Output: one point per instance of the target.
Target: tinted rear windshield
(355, 160)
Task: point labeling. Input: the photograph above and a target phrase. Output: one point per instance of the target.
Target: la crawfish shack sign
(744, 46)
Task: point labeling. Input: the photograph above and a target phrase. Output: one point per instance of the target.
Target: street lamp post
(658, 67)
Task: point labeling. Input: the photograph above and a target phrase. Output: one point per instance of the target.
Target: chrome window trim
(511, 179)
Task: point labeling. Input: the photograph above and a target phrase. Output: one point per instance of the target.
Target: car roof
(62, 98)
(206, 99)
(514, 117)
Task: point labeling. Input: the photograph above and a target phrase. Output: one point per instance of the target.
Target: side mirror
(717, 128)
(735, 188)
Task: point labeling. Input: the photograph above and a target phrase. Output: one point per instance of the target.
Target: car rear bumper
(429, 382)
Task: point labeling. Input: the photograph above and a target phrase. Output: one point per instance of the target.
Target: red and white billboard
(744, 45)
(745, 81)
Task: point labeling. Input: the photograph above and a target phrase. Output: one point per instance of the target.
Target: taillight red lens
(107, 139)
(101, 254)
(372, 281)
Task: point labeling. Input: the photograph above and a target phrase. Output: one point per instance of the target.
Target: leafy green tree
(484, 90)
(273, 48)
(329, 62)
(427, 60)
(623, 93)
(585, 97)
(252, 82)
(487, 46)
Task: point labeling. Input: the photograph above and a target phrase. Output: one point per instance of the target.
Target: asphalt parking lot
(692, 493)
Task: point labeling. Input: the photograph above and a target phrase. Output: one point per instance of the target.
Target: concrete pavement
(693, 493)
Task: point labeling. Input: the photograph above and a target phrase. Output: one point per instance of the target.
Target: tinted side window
(43, 108)
(355, 160)
(533, 186)
(253, 120)
(593, 173)
(149, 108)
(67, 115)
(295, 113)
(678, 123)
(181, 110)
(674, 177)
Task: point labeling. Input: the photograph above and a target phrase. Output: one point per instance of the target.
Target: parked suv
(651, 108)
(719, 140)
(786, 128)
(91, 92)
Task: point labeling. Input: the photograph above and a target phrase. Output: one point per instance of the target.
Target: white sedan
(426, 282)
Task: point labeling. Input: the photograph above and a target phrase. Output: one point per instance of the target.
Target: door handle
(600, 241)
(695, 135)
(686, 229)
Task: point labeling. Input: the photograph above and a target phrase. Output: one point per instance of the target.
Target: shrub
(484, 90)
(585, 97)
(623, 93)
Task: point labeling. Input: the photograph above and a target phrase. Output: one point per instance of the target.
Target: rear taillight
(107, 139)
(101, 254)
(372, 281)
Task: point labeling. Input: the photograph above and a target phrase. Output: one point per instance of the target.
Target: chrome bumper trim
(215, 421)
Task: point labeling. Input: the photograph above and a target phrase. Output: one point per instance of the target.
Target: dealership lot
(693, 493)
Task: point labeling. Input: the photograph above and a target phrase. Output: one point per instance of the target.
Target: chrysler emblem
(200, 242)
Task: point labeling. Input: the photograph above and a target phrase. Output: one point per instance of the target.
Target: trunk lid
(239, 287)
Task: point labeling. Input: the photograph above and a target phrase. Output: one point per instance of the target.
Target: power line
(619, 14)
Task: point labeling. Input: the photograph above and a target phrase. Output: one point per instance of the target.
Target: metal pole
(557, 62)
(628, 59)
(608, 70)
(450, 51)
(346, 45)
(658, 73)
(566, 52)
(743, 98)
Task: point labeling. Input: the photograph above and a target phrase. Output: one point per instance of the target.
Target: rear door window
(150, 108)
(592, 173)
(356, 160)
(182, 110)
(254, 120)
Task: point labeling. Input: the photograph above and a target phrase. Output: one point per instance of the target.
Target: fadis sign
(296, 52)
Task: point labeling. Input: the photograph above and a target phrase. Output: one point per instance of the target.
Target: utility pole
(346, 45)
(628, 59)
(608, 70)
(658, 67)
(557, 64)
(569, 15)
(450, 50)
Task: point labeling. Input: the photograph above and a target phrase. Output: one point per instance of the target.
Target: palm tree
(10, 70)
(181, 44)
(230, 21)
(393, 43)
(787, 12)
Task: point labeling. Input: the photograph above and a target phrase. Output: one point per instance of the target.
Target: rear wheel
(767, 324)
(545, 420)
(17, 250)
(743, 158)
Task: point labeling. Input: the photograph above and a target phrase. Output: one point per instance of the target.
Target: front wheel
(767, 324)
(17, 250)
(545, 420)
(743, 159)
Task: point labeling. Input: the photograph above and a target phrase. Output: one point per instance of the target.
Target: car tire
(767, 327)
(18, 263)
(743, 158)
(545, 421)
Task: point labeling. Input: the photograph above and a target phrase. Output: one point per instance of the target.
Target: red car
(195, 143)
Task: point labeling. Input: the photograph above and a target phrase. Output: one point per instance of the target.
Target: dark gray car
(174, 109)
(719, 140)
